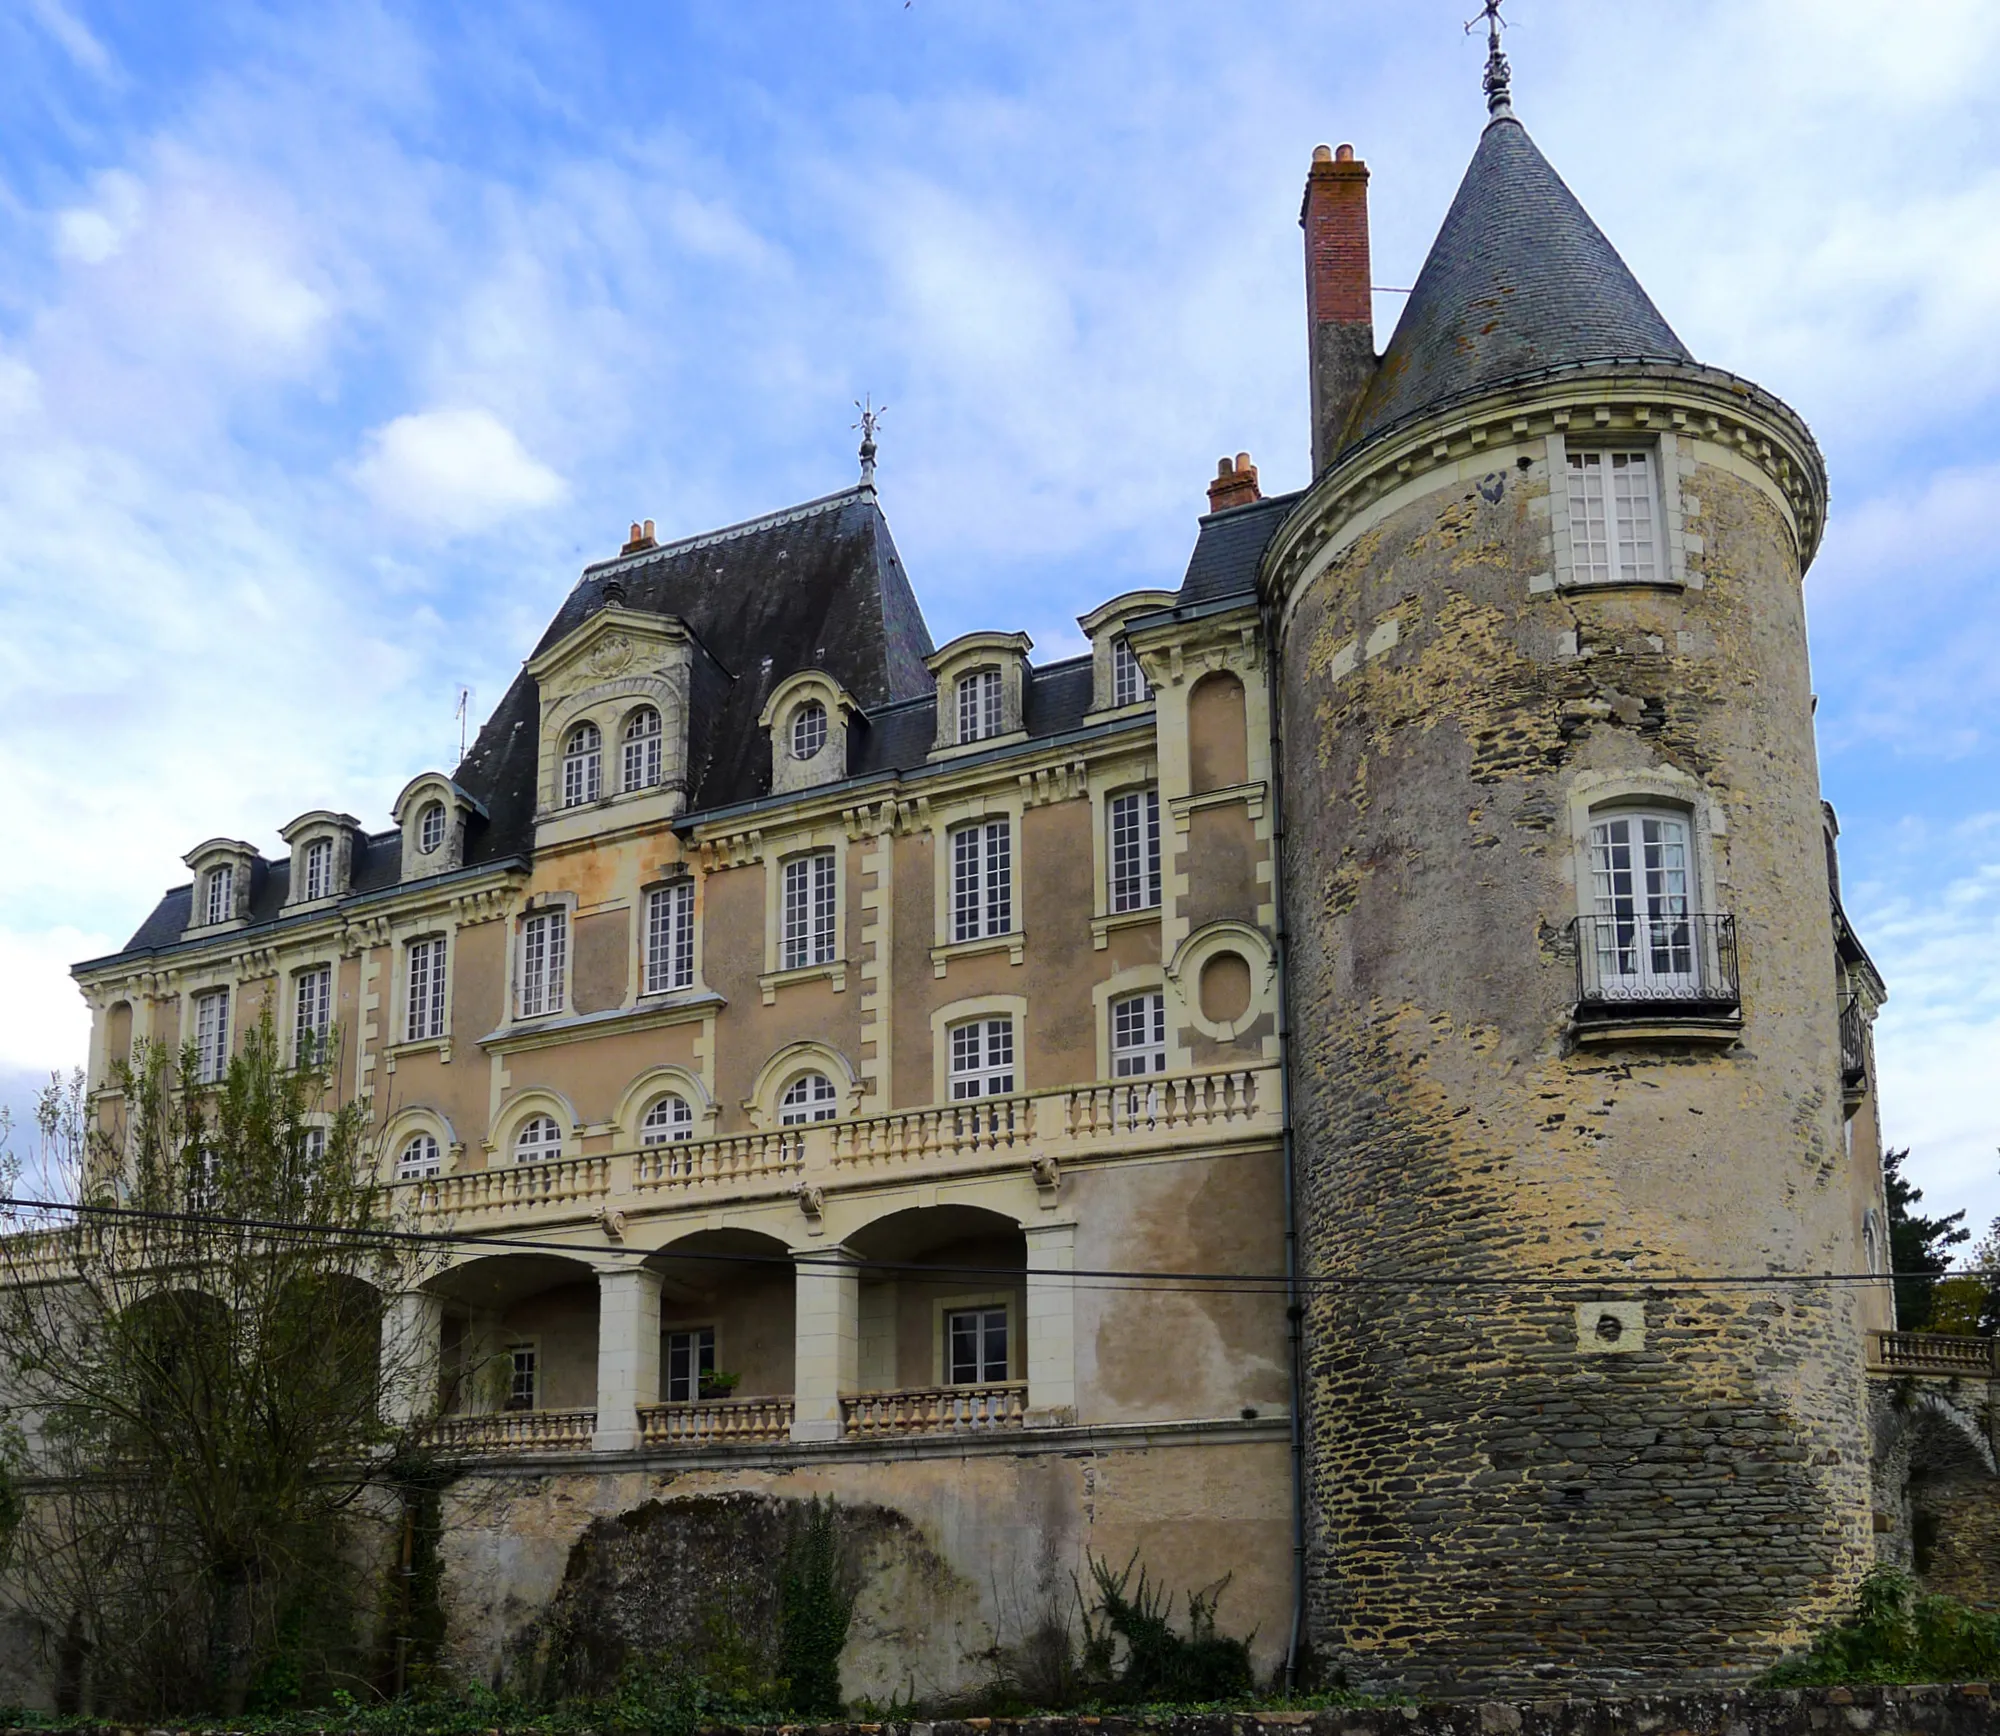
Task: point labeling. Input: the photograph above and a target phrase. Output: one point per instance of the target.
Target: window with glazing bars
(1138, 1035)
(1128, 681)
(312, 1011)
(583, 766)
(538, 1139)
(808, 911)
(1612, 518)
(319, 868)
(221, 894)
(982, 1059)
(524, 1377)
(690, 1355)
(670, 939)
(544, 945)
(423, 999)
(314, 1141)
(211, 1035)
(982, 880)
(979, 710)
(976, 1346)
(810, 1097)
(419, 1159)
(1640, 884)
(1134, 821)
(667, 1122)
(643, 741)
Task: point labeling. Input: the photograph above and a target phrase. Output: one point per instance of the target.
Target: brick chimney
(1235, 484)
(1340, 320)
(641, 538)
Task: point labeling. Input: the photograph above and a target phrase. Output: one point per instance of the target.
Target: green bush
(1897, 1634)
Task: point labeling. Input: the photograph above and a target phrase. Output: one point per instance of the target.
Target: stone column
(412, 1343)
(628, 1354)
(1051, 1324)
(826, 1341)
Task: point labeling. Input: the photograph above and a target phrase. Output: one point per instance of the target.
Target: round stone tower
(1562, 979)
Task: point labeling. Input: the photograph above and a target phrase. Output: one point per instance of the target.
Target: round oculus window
(808, 729)
(430, 828)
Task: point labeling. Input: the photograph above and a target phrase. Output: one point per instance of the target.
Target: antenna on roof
(1498, 99)
(871, 419)
(464, 709)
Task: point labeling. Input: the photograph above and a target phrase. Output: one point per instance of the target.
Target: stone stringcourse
(1962, 1709)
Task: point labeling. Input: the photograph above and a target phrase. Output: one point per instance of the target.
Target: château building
(916, 1067)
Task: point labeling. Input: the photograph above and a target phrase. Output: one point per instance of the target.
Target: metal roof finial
(1498, 97)
(871, 419)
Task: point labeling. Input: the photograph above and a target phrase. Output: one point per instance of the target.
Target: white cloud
(43, 1024)
(92, 234)
(454, 470)
(72, 35)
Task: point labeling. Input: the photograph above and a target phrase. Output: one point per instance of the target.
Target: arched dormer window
(808, 730)
(642, 768)
(430, 828)
(538, 1140)
(219, 894)
(980, 705)
(583, 765)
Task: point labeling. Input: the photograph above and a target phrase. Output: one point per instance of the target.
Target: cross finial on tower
(871, 419)
(1498, 102)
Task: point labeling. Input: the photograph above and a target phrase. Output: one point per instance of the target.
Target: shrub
(1897, 1634)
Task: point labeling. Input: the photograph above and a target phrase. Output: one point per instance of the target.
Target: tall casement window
(319, 868)
(975, 1345)
(642, 749)
(809, 1097)
(1139, 1035)
(979, 708)
(808, 729)
(809, 904)
(982, 880)
(423, 999)
(312, 1011)
(1641, 933)
(211, 1035)
(670, 938)
(667, 1122)
(220, 893)
(430, 828)
(1613, 532)
(539, 1138)
(1128, 681)
(982, 1059)
(1134, 823)
(418, 1160)
(690, 1355)
(544, 957)
(314, 1142)
(583, 765)
(524, 1377)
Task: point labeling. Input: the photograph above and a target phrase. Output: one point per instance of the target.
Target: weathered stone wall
(1496, 1496)
(1937, 1494)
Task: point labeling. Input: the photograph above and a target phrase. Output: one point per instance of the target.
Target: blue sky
(335, 337)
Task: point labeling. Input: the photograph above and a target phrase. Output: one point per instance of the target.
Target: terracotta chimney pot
(1235, 484)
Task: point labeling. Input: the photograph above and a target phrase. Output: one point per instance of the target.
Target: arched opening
(728, 1322)
(1218, 734)
(518, 1353)
(118, 1034)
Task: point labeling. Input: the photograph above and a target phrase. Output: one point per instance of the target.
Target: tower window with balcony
(544, 958)
(1613, 518)
(1129, 685)
(982, 1059)
(810, 1097)
(583, 766)
(808, 911)
(643, 744)
(319, 868)
(982, 880)
(312, 1012)
(980, 711)
(211, 1035)
(1134, 822)
(670, 939)
(1643, 938)
(976, 1346)
(220, 894)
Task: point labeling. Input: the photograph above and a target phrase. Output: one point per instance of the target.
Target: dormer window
(980, 705)
(642, 750)
(434, 816)
(319, 868)
(219, 896)
(583, 766)
(430, 828)
(808, 730)
(1129, 685)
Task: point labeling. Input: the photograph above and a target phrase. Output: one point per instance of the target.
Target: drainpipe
(1294, 1308)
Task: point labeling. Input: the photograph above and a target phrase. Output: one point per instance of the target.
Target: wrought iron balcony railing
(1853, 1046)
(1647, 964)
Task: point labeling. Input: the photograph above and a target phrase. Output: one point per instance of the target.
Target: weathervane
(1497, 75)
(871, 419)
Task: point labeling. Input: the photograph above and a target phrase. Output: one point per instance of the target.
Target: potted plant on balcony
(718, 1383)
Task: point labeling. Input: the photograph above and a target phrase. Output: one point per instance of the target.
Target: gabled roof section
(1230, 548)
(1518, 280)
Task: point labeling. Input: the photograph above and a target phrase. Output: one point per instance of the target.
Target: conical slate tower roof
(1518, 280)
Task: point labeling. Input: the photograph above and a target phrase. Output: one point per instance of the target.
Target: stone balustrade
(937, 1410)
(1933, 1353)
(515, 1432)
(715, 1422)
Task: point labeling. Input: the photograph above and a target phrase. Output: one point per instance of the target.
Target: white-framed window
(1613, 518)
(808, 729)
(583, 765)
(1642, 935)
(423, 996)
(982, 1058)
(544, 958)
(319, 868)
(418, 1160)
(220, 894)
(979, 706)
(1139, 1035)
(982, 880)
(809, 904)
(313, 1146)
(312, 1011)
(1128, 681)
(670, 938)
(1133, 821)
(430, 828)
(524, 1377)
(809, 1097)
(668, 1121)
(690, 1355)
(643, 747)
(538, 1139)
(211, 1035)
(975, 1345)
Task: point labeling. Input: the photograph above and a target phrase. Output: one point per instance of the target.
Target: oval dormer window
(808, 729)
(430, 828)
